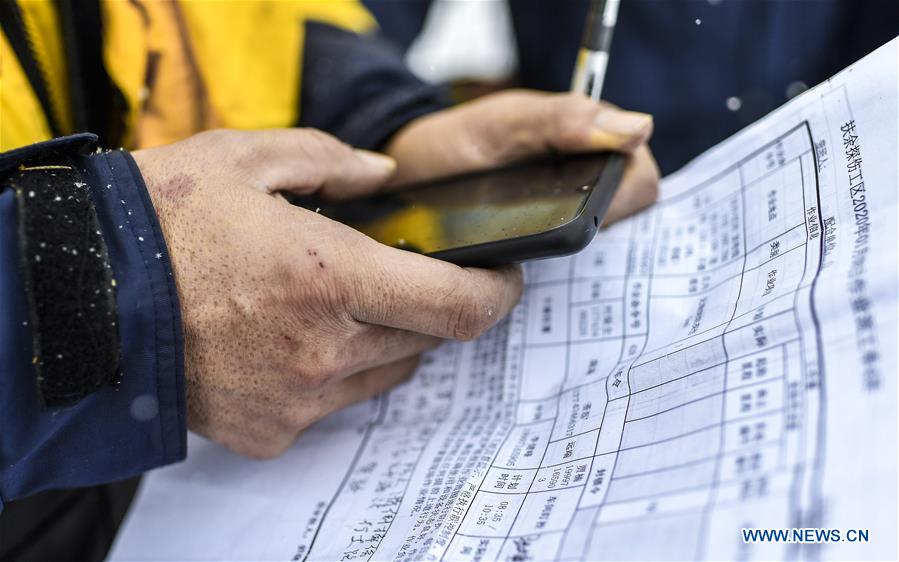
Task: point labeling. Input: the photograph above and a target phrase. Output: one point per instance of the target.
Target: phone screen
(496, 205)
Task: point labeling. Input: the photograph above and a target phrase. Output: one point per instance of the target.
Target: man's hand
(516, 124)
(288, 315)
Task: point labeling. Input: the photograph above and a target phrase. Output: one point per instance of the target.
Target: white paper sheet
(724, 360)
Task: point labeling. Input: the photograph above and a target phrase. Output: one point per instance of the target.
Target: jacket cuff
(117, 431)
(147, 299)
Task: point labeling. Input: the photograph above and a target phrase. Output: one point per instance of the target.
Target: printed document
(724, 361)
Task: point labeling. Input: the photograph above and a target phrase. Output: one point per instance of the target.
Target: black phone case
(565, 239)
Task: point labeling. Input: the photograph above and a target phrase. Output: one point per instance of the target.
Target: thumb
(306, 161)
(575, 123)
(618, 129)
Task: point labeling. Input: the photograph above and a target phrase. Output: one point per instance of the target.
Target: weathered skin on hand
(176, 188)
(283, 309)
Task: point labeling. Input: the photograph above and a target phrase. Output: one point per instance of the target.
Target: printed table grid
(742, 456)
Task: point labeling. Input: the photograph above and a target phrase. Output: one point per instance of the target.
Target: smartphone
(528, 211)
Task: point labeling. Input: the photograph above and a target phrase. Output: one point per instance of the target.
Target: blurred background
(703, 68)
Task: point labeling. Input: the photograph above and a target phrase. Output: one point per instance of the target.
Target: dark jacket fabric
(681, 60)
(118, 431)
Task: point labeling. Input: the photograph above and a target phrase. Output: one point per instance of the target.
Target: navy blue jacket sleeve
(115, 432)
(357, 87)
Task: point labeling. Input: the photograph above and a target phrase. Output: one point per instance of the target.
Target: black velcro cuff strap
(69, 282)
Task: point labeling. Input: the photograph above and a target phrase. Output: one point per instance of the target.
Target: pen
(593, 57)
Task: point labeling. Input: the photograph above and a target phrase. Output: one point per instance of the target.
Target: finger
(305, 161)
(413, 292)
(369, 383)
(268, 436)
(639, 186)
(377, 345)
(512, 126)
(357, 388)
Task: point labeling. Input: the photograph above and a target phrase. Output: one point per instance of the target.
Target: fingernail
(615, 128)
(377, 159)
